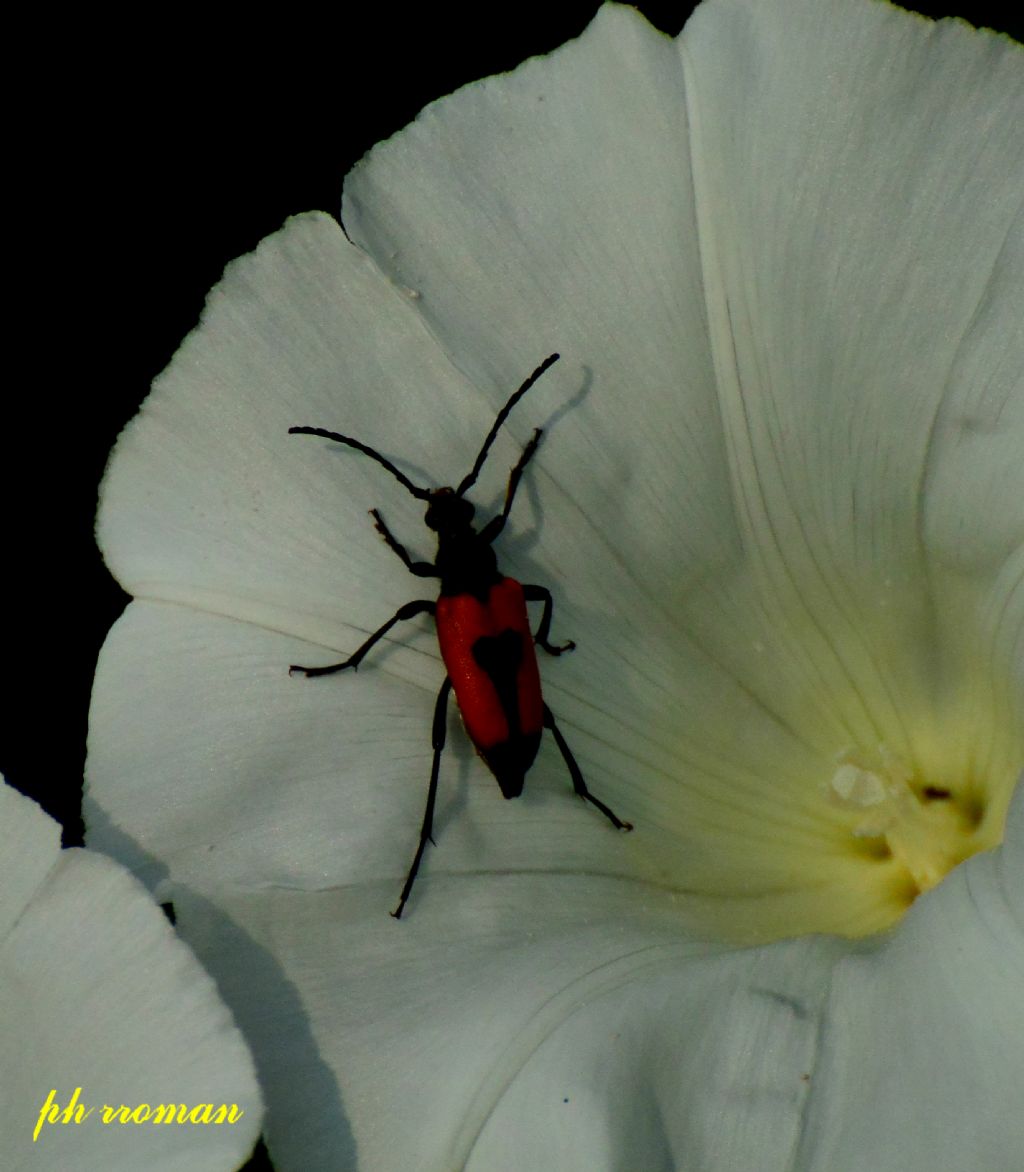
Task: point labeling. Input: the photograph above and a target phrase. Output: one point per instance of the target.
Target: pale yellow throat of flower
(889, 830)
(844, 789)
(910, 817)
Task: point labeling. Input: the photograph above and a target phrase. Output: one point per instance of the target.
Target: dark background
(143, 158)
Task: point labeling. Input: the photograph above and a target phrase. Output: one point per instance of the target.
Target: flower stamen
(925, 829)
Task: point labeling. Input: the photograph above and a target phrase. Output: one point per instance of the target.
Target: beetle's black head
(448, 511)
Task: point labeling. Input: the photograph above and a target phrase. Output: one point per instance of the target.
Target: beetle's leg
(578, 784)
(410, 610)
(493, 527)
(542, 594)
(437, 738)
(420, 569)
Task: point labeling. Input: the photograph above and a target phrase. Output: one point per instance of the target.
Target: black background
(142, 159)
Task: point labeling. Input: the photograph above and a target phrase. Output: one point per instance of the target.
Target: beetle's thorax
(466, 562)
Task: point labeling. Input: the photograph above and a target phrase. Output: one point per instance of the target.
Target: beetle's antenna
(422, 494)
(503, 414)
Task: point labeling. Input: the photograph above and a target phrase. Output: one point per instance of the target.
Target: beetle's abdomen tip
(510, 760)
(510, 784)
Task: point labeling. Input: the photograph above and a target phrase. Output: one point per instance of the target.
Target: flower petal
(865, 298)
(209, 766)
(619, 1040)
(613, 532)
(810, 179)
(795, 657)
(209, 502)
(560, 210)
(98, 993)
(576, 1039)
(844, 181)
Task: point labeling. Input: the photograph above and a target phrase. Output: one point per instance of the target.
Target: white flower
(98, 997)
(779, 502)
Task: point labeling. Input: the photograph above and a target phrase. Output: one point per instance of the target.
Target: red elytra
(483, 630)
(502, 715)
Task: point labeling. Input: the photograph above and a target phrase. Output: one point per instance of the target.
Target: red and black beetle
(483, 630)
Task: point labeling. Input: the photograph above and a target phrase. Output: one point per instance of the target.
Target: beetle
(483, 630)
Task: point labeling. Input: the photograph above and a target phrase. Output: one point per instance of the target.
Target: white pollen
(858, 787)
